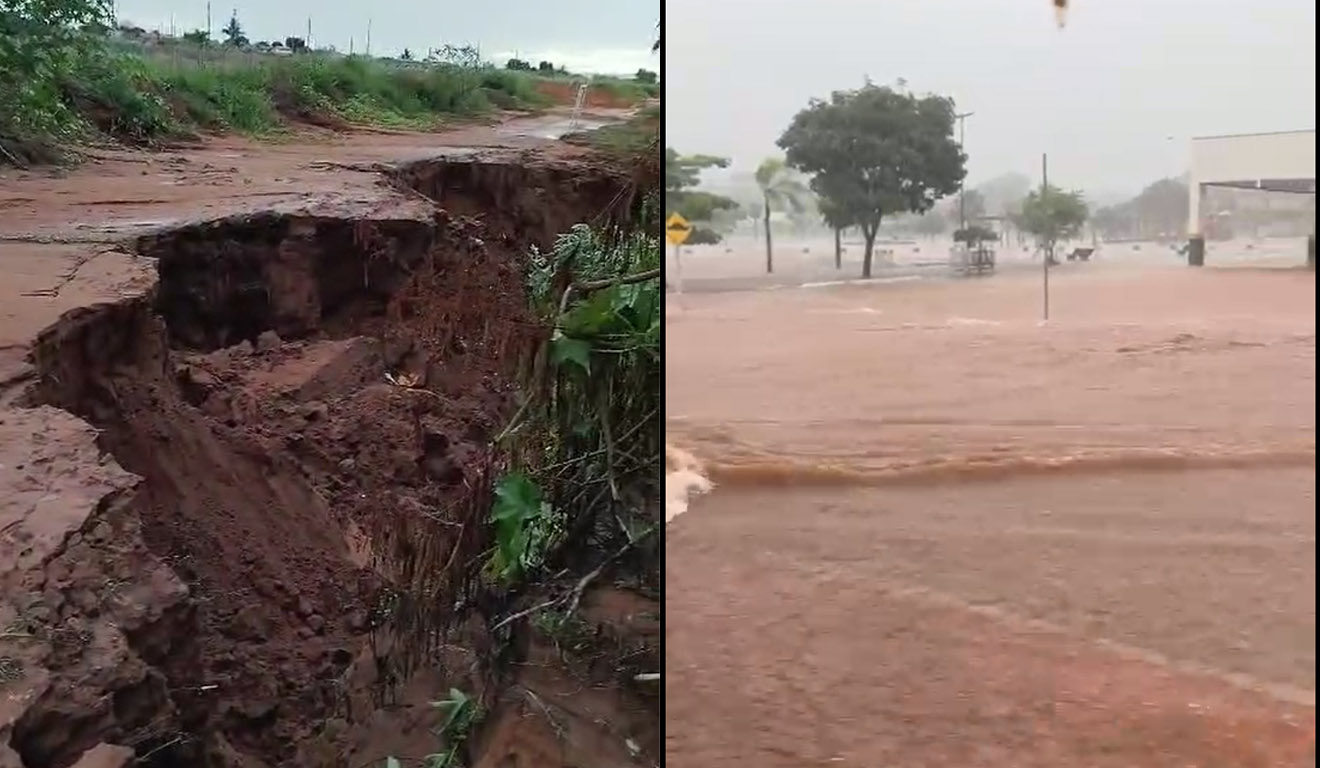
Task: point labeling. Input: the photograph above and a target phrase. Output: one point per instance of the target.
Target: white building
(1282, 161)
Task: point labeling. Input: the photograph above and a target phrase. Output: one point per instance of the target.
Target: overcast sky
(1112, 97)
(584, 35)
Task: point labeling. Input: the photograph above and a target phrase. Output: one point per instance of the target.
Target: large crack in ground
(308, 401)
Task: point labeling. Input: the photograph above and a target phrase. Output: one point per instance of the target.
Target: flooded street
(944, 532)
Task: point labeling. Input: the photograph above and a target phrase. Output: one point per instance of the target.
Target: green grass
(630, 91)
(625, 139)
(143, 97)
(259, 95)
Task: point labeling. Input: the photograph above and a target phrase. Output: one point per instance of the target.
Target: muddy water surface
(943, 530)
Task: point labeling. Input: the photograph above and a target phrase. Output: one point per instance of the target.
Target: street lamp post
(962, 197)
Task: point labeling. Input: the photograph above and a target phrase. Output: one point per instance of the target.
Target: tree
(407, 55)
(836, 218)
(197, 37)
(1051, 215)
(646, 77)
(682, 174)
(233, 31)
(1113, 222)
(295, 44)
(683, 171)
(781, 190)
(40, 50)
(874, 152)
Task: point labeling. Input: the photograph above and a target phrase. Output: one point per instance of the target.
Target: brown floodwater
(944, 532)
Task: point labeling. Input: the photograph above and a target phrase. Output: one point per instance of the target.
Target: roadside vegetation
(625, 139)
(576, 504)
(875, 152)
(68, 78)
(709, 213)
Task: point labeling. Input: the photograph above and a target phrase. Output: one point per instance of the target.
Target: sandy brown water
(943, 532)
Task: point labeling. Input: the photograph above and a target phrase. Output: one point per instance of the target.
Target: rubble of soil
(253, 492)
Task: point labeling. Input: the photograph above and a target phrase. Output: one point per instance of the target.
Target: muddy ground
(247, 393)
(943, 532)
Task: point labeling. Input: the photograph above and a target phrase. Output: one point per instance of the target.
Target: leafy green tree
(683, 171)
(197, 37)
(40, 46)
(781, 190)
(876, 152)
(1114, 221)
(1051, 214)
(682, 175)
(836, 218)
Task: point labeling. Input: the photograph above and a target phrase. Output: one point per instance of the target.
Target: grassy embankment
(636, 136)
(143, 97)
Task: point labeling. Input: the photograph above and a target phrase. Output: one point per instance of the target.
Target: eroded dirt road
(943, 533)
(207, 477)
(61, 230)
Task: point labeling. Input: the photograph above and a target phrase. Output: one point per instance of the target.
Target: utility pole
(1049, 236)
(962, 197)
(208, 23)
(368, 37)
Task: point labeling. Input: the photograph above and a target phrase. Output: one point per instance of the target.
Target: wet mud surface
(943, 533)
(238, 445)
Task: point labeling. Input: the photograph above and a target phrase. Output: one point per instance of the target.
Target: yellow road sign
(677, 229)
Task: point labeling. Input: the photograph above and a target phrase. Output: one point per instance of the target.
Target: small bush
(235, 100)
(629, 91)
(121, 96)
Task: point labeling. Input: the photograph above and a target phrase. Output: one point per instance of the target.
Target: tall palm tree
(781, 189)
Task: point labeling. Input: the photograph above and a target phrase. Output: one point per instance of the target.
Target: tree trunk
(869, 231)
(838, 248)
(769, 254)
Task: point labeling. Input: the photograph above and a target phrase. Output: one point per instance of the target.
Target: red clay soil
(255, 461)
(290, 416)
